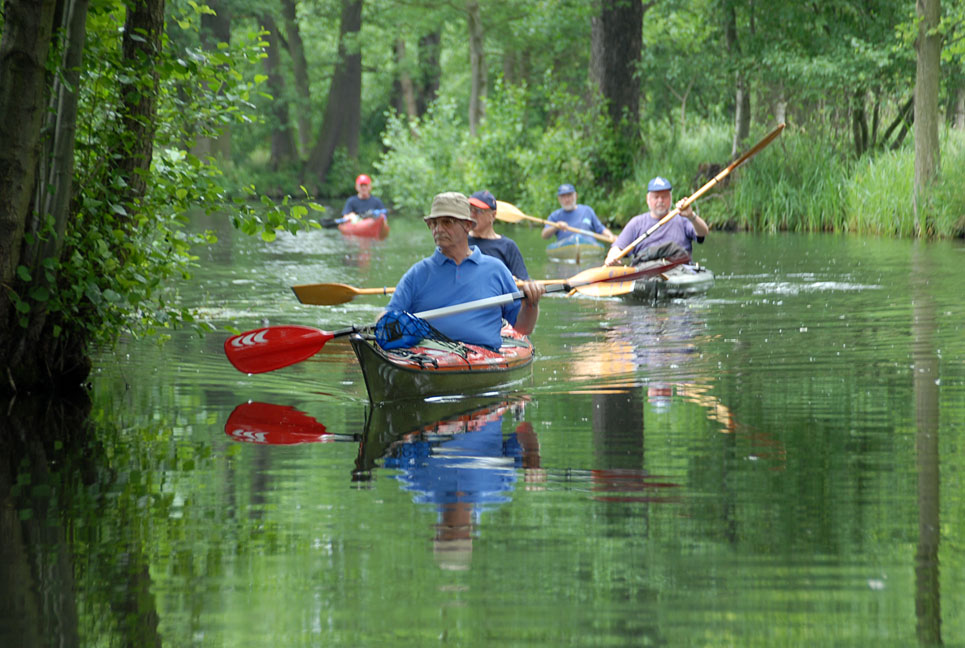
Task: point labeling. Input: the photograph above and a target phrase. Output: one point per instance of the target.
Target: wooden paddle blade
(508, 213)
(266, 423)
(606, 289)
(324, 294)
(602, 273)
(274, 347)
(595, 282)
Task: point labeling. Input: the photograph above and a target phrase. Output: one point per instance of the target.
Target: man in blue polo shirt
(457, 273)
(683, 229)
(575, 215)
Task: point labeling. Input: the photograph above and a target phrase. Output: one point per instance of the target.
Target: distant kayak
(575, 248)
(377, 227)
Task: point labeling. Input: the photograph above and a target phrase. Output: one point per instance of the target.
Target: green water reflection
(776, 463)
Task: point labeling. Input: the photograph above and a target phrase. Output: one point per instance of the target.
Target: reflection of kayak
(575, 247)
(392, 423)
(681, 281)
(438, 368)
(377, 227)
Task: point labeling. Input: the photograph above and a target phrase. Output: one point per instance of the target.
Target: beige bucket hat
(450, 203)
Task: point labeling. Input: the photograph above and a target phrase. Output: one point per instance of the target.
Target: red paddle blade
(265, 423)
(274, 347)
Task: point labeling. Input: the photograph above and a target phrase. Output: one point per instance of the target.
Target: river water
(778, 462)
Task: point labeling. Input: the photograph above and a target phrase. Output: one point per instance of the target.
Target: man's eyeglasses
(444, 221)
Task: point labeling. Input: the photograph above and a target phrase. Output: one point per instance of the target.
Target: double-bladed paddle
(330, 294)
(274, 347)
(509, 213)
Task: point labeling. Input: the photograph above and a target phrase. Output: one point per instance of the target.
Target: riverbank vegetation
(120, 116)
(496, 95)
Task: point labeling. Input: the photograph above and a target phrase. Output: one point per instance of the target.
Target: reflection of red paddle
(268, 424)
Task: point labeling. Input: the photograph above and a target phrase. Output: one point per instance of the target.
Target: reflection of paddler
(460, 463)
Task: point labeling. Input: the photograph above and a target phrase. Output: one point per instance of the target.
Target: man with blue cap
(683, 229)
(576, 216)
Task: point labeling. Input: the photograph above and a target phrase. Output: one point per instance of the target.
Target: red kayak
(377, 227)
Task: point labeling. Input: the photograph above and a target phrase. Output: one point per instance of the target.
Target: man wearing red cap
(482, 208)
(364, 202)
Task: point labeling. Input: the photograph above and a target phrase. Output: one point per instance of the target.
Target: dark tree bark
(404, 94)
(282, 141)
(141, 47)
(55, 178)
(903, 120)
(615, 46)
(35, 163)
(927, 78)
(27, 31)
(342, 120)
(430, 68)
(859, 123)
(296, 50)
(477, 66)
(742, 95)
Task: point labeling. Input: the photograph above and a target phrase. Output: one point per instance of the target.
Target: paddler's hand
(611, 256)
(550, 229)
(533, 291)
(687, 213)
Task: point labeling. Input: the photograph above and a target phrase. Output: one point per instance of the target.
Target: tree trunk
(405, 89)
(477, 66)
(742, 97)
(904, 118)
(141, 46)
(282, 142)
(742, 115)
(615, 45)
(928, 70)
(343, 112)
(27, 31)
(55, 181)
(215, 29)
(430, 68)
(296, 50)
(859, 123)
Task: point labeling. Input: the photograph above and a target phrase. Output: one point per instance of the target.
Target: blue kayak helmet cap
(659, 184)
(483, 200)
(565, 189)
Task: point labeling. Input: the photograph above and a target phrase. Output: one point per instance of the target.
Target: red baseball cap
(363, 179)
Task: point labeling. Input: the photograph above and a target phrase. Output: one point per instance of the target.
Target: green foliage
(879, 193)
(492, 162)
(543, 126)
(515, 158)
(678, 157)
(795, 184)
(117, 256)
(423, 157)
